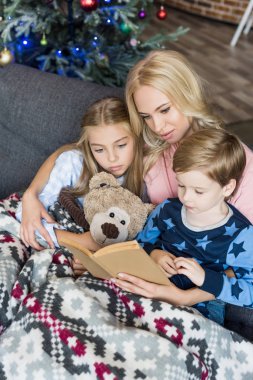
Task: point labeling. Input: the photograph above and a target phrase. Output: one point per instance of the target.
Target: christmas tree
(96, 40)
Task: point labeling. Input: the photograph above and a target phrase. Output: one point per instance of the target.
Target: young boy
(196, 237)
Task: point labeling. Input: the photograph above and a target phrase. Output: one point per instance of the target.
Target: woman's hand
(191, 269)
(165, 260)
(169, 293)
(33, 212)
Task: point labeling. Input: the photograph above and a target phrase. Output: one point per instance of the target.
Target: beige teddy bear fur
(113, 212)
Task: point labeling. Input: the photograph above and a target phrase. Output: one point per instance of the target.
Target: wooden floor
(228, 69)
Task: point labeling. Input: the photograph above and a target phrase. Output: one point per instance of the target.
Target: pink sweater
(161, 183)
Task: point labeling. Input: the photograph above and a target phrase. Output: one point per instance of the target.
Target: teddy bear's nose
(110, 230)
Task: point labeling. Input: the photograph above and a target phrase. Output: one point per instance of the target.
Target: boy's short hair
(216, 152)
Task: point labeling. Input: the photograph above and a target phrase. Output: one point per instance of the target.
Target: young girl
(106, 143)
(198, 235)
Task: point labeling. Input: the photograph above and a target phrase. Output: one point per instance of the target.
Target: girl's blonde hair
(216, 152)
(169, 72)
(107, 111)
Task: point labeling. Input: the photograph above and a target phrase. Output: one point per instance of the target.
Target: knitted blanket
(54, 326)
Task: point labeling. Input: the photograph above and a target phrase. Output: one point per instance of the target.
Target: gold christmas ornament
(6, 57)
(43, 41)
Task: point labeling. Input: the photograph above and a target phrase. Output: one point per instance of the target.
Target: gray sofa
(38, 113)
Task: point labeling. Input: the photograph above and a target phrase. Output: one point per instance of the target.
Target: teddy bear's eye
(112, 215)
(123, 222)
(102, 184)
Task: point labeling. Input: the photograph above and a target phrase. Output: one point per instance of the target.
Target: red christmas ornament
(89, 5)
(161, 13)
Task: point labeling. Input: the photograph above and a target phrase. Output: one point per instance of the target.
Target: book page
(94, 268)
(72, 243)
(131, 244)
(128, 257)
(132, 261)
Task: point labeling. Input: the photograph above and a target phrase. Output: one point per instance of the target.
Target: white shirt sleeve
(65, 173)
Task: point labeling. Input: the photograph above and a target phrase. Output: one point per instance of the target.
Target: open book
(128, 257)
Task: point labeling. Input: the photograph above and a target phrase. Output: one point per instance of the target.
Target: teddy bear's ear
(103, 179)
(149, 207)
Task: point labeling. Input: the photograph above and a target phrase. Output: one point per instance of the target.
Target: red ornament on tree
(89, 5)
(161, 13)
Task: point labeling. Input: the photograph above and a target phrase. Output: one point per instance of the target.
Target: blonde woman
(166, 100)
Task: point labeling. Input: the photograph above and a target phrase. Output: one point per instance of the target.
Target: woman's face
(160, 114)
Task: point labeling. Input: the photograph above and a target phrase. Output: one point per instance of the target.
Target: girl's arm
(84, 239)
(32, 208)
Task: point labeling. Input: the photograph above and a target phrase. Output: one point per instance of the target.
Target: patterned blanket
(56, 327)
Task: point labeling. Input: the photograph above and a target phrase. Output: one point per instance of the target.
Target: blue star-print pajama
(227, 245)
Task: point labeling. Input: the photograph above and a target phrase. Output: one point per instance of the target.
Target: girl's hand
(191, 269)
(165, 260)
(32, 213)
(84, 239)
(78, 268)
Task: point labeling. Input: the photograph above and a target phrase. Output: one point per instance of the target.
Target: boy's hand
(165, 260)
(191, 269)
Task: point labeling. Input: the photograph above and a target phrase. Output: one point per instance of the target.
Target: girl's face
(112, 147)
(161, 115)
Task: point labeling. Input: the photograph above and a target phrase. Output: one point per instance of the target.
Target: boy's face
(199, 193)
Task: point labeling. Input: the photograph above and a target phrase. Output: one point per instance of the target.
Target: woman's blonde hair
(216, 152)
(169, 72)
(107, 111)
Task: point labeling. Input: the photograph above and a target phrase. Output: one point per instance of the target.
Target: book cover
(128, 257)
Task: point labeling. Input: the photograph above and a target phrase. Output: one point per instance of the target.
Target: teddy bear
(112, 213)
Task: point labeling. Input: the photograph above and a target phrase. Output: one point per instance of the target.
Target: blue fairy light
(95, 41)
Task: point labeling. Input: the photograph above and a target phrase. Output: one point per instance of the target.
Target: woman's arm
(169, 293)
(242, 198)
(33, 210)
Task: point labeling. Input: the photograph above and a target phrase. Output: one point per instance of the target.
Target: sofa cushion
(38, 113)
